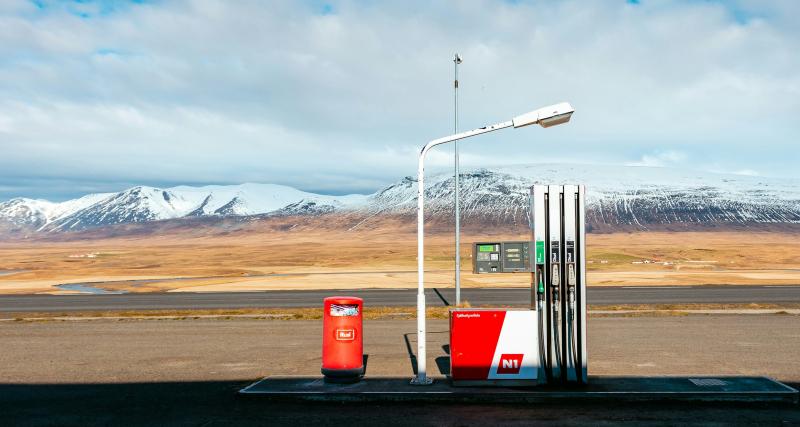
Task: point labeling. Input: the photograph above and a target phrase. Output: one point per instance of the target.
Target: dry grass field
(330, 259)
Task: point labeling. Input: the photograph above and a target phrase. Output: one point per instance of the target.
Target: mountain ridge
(617, 196)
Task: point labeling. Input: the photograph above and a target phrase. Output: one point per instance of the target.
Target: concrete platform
(723, 389)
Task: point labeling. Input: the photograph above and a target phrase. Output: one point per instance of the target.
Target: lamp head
(457, 59)
(545, 117)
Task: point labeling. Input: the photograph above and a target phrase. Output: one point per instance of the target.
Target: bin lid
(344, 300)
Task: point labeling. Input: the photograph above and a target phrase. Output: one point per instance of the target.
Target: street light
(545, 117)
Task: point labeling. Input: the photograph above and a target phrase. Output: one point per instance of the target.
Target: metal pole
(421, 378)
(456, 61)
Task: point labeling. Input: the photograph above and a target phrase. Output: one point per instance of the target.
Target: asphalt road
(393, 297)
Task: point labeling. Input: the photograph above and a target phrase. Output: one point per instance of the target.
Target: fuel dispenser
(559, 277)
(546, 344)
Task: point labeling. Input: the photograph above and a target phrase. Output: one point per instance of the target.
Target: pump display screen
(501, 257)
(486, 258)
(516, 257)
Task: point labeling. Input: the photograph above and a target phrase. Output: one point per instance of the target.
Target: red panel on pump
(494, 346)
(473, 339)
(342, 340)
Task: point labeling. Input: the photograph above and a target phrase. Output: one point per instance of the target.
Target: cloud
(661, 159)
(339, 96)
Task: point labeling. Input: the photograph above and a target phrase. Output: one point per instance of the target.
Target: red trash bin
(342, 341)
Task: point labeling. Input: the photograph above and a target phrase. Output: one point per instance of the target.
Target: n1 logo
(345, 335)
(509, 364)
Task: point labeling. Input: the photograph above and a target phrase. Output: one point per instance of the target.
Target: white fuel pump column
(559, 279)
(555, 293)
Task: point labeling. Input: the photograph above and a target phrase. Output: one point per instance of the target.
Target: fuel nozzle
(539, 280)
(540, 287)
(554, 279)
(571, 283)
(555, 282)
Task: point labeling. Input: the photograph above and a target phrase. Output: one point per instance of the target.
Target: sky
(338, 97)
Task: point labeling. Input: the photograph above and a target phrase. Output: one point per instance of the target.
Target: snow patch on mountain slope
(253, 199)
(38, 213)
(23, 211)
(62, 209)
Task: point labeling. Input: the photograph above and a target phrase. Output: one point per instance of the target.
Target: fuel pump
(569, 204)
(546, 343)
(553, 201)
(558, 228)
(537, 209)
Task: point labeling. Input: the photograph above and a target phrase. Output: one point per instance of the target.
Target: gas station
(501, 354)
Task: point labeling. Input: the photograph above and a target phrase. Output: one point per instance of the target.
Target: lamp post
(545, 117)
(456, 61)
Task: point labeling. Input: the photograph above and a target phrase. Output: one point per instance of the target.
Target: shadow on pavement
(216, 403)
(443, 362)
(412, 356)
(441, 297)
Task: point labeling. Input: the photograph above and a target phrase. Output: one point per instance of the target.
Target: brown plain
(304, 258)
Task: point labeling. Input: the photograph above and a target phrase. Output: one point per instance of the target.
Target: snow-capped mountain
(143, 204)
(22, 212)
(617, 196)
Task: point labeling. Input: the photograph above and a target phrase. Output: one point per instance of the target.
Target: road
(394, 297)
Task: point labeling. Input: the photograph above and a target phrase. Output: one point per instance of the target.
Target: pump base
(602, 388)
(417, 381)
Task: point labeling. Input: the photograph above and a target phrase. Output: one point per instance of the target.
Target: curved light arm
(461, 135)
(421, 377)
